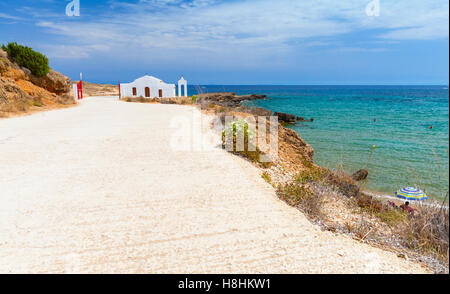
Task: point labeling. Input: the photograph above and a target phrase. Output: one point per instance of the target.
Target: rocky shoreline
(230, 99)
(227, 99)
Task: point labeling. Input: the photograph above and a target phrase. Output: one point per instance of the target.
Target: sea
(400, 134)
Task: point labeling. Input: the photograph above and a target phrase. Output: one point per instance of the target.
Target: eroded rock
(360, 175)
(285, 117)
(53, 82)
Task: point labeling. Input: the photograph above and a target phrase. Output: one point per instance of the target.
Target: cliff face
(21, 91)
(294, 152)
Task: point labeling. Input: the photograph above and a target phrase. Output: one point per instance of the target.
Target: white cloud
(8, 16)
(249, 29)
(359, 49)
(74, 51)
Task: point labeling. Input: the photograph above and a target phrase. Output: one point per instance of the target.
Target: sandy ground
(98, 189)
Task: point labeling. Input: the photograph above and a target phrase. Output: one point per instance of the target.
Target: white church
(151, 87)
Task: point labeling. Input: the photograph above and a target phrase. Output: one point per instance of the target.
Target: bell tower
(182, 83)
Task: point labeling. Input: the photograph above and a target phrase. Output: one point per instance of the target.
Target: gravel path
(97, 189)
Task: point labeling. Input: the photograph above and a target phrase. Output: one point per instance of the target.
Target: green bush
(266, 177)
(36, 62)
(238, 129)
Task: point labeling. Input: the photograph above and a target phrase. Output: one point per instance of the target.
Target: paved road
(97, 189)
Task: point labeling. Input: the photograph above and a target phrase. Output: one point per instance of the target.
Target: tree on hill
(24, 56)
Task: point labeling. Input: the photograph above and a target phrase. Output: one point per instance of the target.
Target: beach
(97, 188)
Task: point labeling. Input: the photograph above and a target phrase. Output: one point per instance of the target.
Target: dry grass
(183, 100)
(370, 204)
(392, 217)
(173, 100)
(312, 174)
(338, 180)
(428, 232)
(221, 109)
(425, 235)
(300, 196)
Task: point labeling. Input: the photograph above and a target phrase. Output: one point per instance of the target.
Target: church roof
(149, 79)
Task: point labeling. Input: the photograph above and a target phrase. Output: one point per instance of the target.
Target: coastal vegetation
(428, 232)
(266, 177)
(423, 236)
(25, 56)
(174, 100)
(300, 196)
(237, 132)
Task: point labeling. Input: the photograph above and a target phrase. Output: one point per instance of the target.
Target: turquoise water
(407, 151)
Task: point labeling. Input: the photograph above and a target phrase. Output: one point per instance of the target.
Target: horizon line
(302, 85)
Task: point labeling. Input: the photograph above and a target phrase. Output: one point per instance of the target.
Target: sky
(237, 42)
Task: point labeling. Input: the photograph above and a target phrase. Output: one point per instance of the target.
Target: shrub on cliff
(238, 133)
(24, 56)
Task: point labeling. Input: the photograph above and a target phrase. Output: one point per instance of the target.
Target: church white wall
(168, 90)
(75, 92)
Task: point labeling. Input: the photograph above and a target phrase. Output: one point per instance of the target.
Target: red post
(119, 90)
(80, 90)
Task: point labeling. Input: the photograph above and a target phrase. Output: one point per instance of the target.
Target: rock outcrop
(227, 99)
(293, 149)
(360, 175)
(260, 111)
(53, 82)
(285, 117)
(21, 91)
(12, 97)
